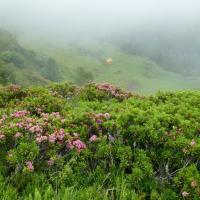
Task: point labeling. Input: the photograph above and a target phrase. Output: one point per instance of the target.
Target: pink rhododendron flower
(193, 184)
(14, 87)
(38, 110)
(36, 129)
(99, 121)
(40, 139)
(45, 116)
(55, 114)
(52, 138)
(93, 138)
(69, 144)
(29, 165)
(61, 134)
(17, 135)
(19, 125)
(19, 114)
(192, 143)
(185, 194)
(12, 125)
(50, 162)
(2, 136)
(79, 145)
(3, 118)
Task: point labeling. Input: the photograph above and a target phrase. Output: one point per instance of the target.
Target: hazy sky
(94, 16)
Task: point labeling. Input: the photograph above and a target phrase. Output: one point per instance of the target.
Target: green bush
(98, 142)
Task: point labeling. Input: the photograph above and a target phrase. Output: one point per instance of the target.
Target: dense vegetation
(21, 66)
(98, 142)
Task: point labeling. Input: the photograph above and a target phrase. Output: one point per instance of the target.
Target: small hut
(109, 61)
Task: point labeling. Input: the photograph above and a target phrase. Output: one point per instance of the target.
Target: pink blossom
(99, 121)
(50, 162)
(40, 138)
(185, 194)
(52, 138)
(14, 87)
(79, 144)
(61, 134)
(2, 136)
(35, 129)
(20, 125)
(4, 117)
(45, 116)
(192, 143)
(12, 125)
(29, 165)
(193, 184)
(93, 138)
(19, 114)
(55, 114)
(70, 145)
(17, 135)
(29, 120)
(39, 110)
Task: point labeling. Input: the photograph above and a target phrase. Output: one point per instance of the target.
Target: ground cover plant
(98, 142)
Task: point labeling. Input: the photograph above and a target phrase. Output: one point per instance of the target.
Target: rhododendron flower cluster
(52, 138)
(192, 143)
(93, 138)
(29, 165)
(193, 184)
(46, 116)
(57, 135)
(100, 117)
(56, 114)
(113, 90)
(2, 136)
(3, 118)
(41, 138)
(185, 194)
(17, 135)
(19, 114)
(14, 87)
(36, 129)
(78, 144)
(50, 162)
(60, 134)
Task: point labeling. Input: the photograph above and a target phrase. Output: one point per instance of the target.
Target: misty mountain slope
(175, 48)
(21, 66)
(132, 72)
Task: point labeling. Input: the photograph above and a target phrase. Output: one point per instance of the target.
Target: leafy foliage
(24, 67)
(67, 142)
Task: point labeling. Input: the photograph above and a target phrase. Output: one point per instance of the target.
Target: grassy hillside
(132, 72)
(98, 142)
(22, 66)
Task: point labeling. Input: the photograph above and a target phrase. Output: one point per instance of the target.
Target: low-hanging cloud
(93, 17)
